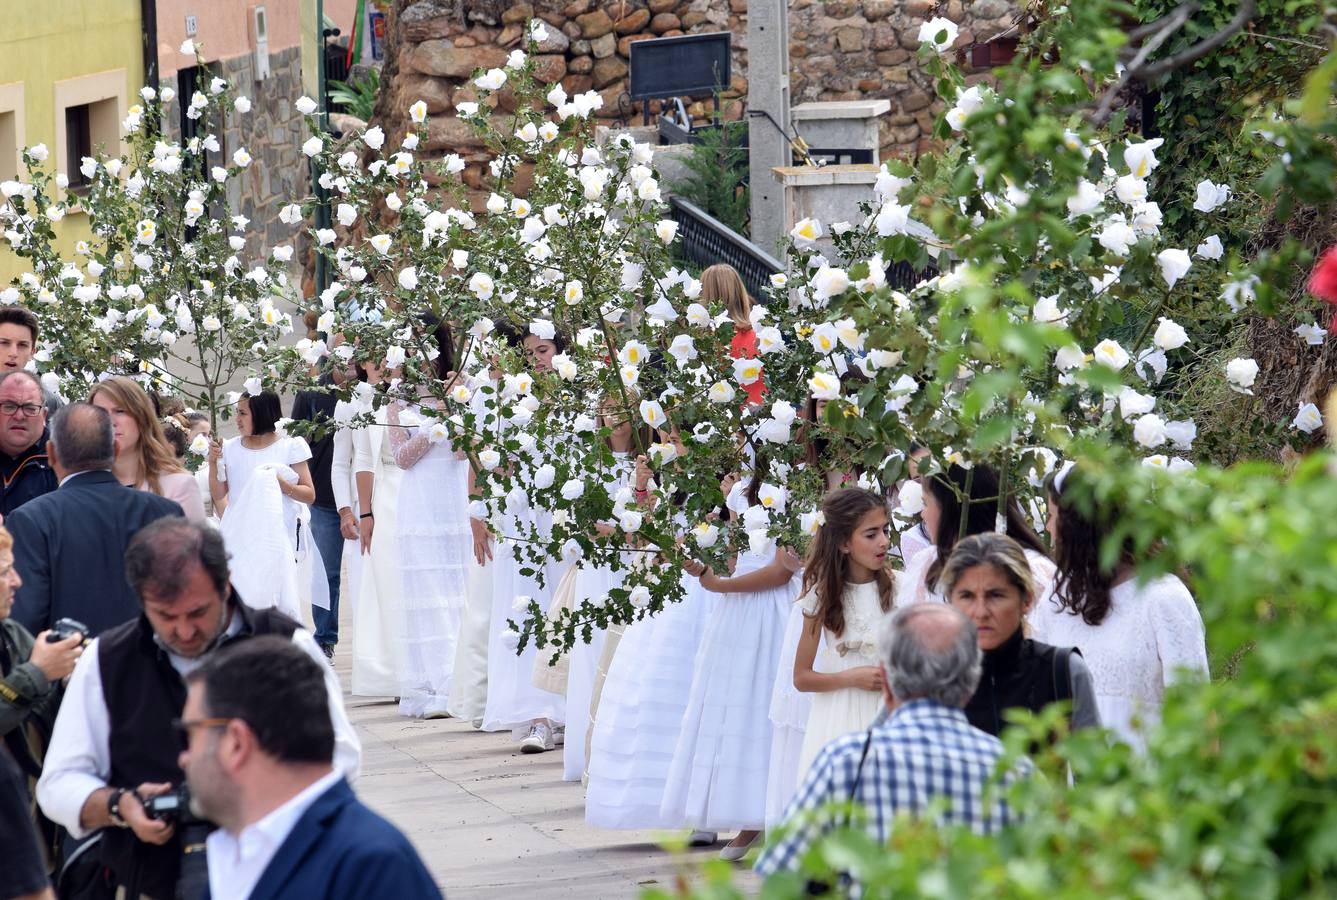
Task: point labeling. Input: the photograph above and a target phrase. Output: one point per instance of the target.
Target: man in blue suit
(69, 545)
(258, 751)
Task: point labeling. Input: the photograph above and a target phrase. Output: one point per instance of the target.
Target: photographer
(29, 669)
(114, 746)
(28, 672)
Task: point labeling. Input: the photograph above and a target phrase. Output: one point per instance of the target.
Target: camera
(66, 628)
(174, 806)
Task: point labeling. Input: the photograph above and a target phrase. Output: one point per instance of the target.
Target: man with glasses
(114, 747)
(258, 753)
(25, 471)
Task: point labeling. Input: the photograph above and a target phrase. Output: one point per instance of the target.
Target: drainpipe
(322, 200)
(148, 14)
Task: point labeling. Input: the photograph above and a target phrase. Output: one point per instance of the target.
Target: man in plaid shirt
(924, 753)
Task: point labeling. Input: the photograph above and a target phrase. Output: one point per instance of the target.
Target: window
(89, 110)
(78, 142)
(11, 130)
(90, 129)
(9, 148)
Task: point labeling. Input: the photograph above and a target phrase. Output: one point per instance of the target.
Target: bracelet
(367, 515)
(114, 807)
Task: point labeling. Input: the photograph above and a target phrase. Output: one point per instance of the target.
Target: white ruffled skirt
(640, 714)
(721, 764)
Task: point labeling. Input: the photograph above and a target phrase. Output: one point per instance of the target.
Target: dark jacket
(318, 406)
(144, 693)
(69, 547)
(26, 476)
(24, 689)
(340, 850)
(1026, 674)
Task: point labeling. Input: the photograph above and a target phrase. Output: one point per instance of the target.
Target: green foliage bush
(718, 172)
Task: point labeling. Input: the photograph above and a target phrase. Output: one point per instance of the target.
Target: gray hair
(931, 651)
(83, 437)
(989, 549)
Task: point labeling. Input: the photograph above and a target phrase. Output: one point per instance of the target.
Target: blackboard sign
(690, 65)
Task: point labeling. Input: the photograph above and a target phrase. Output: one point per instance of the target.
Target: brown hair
(156, 457)
(721, 282)
(827, 566)
(1083, 583)
(6, 539)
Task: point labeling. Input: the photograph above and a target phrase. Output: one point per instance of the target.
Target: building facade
(68, 75)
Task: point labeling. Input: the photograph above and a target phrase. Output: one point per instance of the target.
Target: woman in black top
(988, 578)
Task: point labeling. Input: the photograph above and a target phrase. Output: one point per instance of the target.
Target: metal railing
(705, 240)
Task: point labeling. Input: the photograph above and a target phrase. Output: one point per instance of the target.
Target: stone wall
(839, 50)
(272, 132)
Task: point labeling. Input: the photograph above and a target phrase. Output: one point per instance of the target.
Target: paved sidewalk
(490, 822)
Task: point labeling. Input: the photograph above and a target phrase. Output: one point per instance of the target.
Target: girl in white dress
(846, 592)
(718, 778)
(592, 583)
(533, 715)
(942, 520)
(261, 452)
(434, 542)
(640, 712)
(1137, 639)
(378, 479)
(468, 685)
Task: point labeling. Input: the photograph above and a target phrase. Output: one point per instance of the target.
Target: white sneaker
(538, 740)
(559, 735)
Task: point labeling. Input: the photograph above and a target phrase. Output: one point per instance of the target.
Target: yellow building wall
(55, 42)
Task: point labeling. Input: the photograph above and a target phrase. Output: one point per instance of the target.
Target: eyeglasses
(9, 407)
(182, 727)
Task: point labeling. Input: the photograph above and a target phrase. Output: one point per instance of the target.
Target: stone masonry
(272, 132)
(839, 50)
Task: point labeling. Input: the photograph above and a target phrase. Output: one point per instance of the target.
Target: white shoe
(538, 740)
(477, 723)
(734, 852)
(559, 735)
(701, 838)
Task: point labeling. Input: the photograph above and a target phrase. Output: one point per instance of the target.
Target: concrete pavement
(491, 822)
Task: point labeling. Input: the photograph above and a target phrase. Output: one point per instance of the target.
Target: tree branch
(1155, 70)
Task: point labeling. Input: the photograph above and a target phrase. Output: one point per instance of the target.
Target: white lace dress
(721, 764)
(835, 713)
(434, 542)
(789, 720)
(1151, 637)
(640, 713)
(911, 589)
(592, 583)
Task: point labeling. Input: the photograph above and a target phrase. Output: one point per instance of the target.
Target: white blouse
(1151, 637)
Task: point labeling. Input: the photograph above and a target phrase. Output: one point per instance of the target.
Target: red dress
(744, 346)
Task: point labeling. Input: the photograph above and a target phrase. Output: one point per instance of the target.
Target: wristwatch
(114, 808)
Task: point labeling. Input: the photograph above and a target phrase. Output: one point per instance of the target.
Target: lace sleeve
(406, 447)
(1181, 639)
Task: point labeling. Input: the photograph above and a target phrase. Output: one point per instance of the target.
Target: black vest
(143, 695)
(1021, 673)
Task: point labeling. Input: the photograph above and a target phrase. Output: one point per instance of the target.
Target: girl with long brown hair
(144, 458)
(847, 588)
(721, 283)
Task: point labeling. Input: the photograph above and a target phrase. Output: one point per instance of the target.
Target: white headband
(1062, 475)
